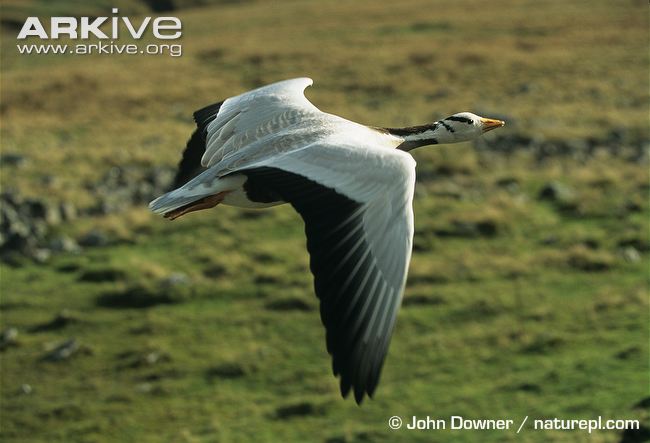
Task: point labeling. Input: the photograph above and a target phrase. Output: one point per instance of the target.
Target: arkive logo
(106, 31)
(164, 28)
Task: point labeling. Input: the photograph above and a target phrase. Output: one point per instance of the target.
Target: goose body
(349, 183)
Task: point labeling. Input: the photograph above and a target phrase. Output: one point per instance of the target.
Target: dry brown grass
(579, 74)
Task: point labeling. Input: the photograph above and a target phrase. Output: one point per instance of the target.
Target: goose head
(465, 126)
(460, 127)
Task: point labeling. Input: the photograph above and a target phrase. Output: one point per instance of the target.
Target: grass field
(207, 329)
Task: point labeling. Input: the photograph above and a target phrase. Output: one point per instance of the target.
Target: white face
(468, 126)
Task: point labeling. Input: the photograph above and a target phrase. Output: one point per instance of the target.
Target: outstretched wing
(357, 209)
(224, 128)
(254, 115)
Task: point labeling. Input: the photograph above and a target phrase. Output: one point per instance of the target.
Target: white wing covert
(244, 119)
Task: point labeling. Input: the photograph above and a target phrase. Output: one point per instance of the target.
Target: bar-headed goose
(353, 186)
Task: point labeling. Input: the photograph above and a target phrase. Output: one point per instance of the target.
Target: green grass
(497, 340)
(542, 313)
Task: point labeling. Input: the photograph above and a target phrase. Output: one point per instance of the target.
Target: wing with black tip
(359, 227)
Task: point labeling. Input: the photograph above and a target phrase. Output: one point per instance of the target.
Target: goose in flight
(351, 184)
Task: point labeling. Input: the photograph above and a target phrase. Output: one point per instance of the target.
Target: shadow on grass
(142, 296)
(300, 409)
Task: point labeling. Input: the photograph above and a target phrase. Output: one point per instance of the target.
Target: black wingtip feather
(204, 116)
(345, 386)
(358, 396)
(190, 165)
